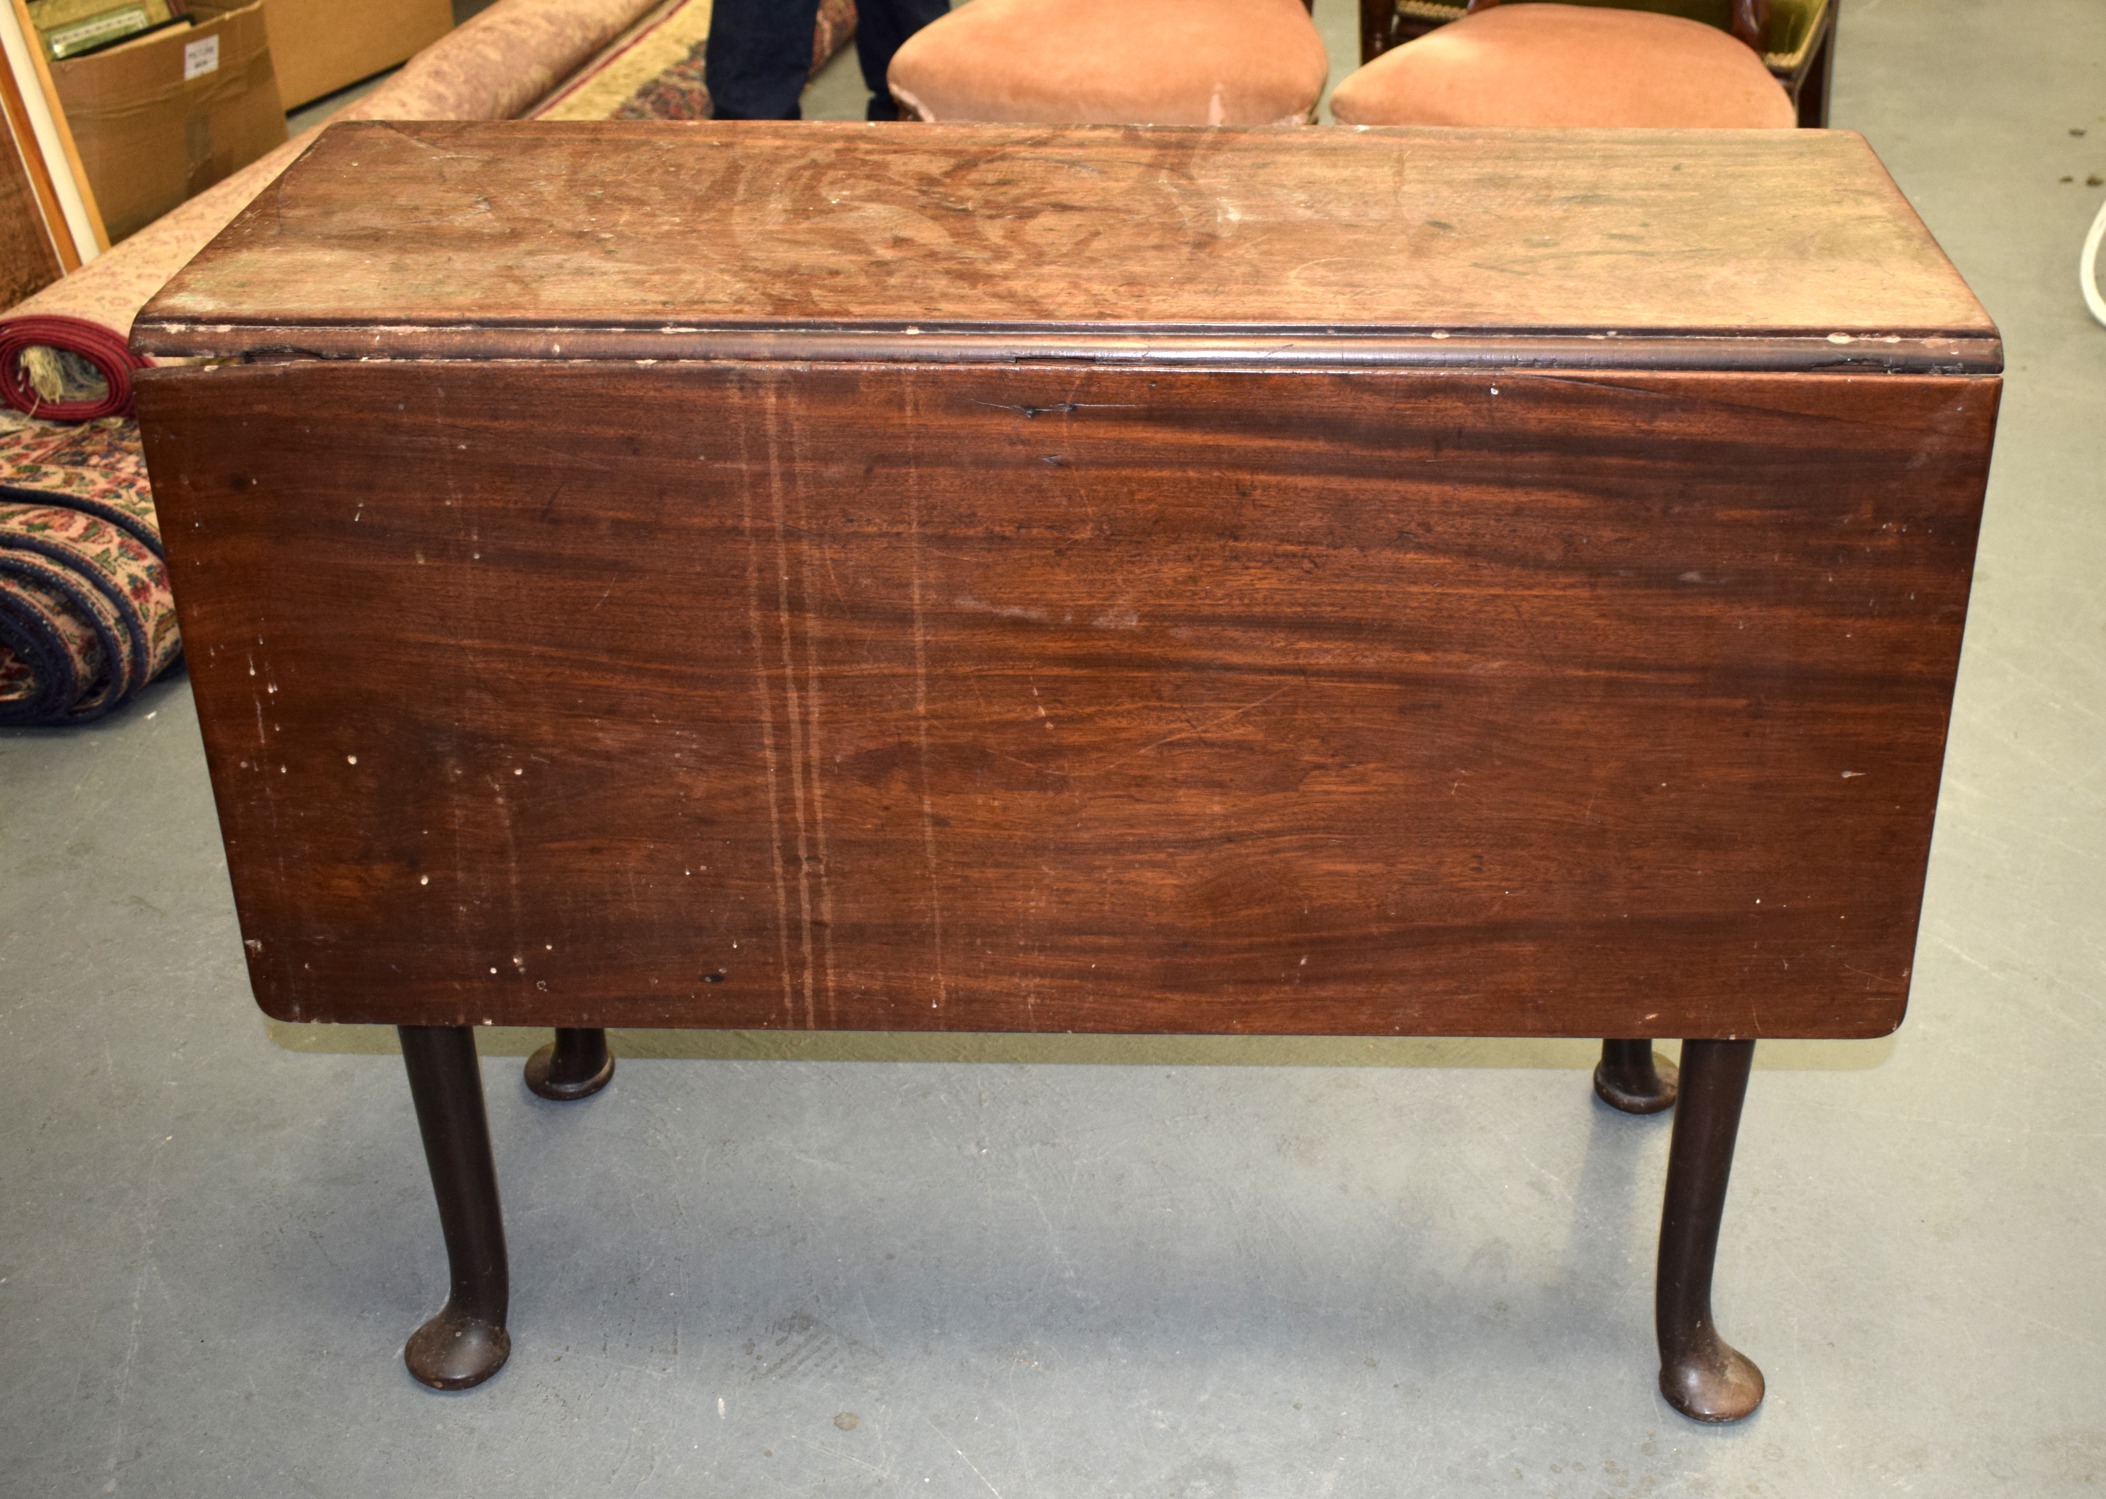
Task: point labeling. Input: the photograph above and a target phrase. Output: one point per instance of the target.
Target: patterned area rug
(86, 614)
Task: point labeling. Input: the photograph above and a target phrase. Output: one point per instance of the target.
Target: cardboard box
(320, 46)
(164, 117)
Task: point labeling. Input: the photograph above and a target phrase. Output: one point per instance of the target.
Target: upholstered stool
(1115, 62)
(1542, 63)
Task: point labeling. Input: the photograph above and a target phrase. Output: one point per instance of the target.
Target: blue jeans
(760, 53)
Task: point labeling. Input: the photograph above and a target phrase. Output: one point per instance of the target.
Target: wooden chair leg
(577, 1064)
(466, 1342)
(1699, 1374)
(1631, 1077)
(1377, 28)
(1812, 98)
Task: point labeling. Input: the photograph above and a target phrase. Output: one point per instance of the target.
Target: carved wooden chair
(1115, 62)
(1796, 42)
(1550, 64)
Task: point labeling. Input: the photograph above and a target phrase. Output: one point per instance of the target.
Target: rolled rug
(66, 369)
(497, 63)
(86, 616)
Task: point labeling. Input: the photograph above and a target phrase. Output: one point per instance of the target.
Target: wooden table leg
(1699, 1374)
(1633, 1078)
(466, 1342)
(577, 1064)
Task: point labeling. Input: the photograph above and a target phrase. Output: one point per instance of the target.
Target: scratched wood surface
(638, 240)
(1050, 699)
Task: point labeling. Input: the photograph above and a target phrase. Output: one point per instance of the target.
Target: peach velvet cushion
(1115, 62)
(1540, 63)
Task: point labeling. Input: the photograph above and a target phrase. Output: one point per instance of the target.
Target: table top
(1607, 249)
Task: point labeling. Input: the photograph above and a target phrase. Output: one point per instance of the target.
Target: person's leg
(881, 25)
(759, 56)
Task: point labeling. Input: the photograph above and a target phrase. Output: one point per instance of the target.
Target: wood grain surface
(1781, 248)
(30, 253)
(1041, 698)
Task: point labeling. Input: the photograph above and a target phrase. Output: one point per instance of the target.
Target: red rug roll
(101, 346)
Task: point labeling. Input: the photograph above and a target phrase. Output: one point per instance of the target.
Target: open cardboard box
(161, 118)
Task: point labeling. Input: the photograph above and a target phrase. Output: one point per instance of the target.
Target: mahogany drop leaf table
(911, 578)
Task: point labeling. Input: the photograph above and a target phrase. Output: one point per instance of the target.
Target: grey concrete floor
(1334, 1269)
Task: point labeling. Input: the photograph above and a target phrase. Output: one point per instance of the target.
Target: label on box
(200, 57)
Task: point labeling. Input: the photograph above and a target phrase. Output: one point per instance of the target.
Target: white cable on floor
(2088, 267)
